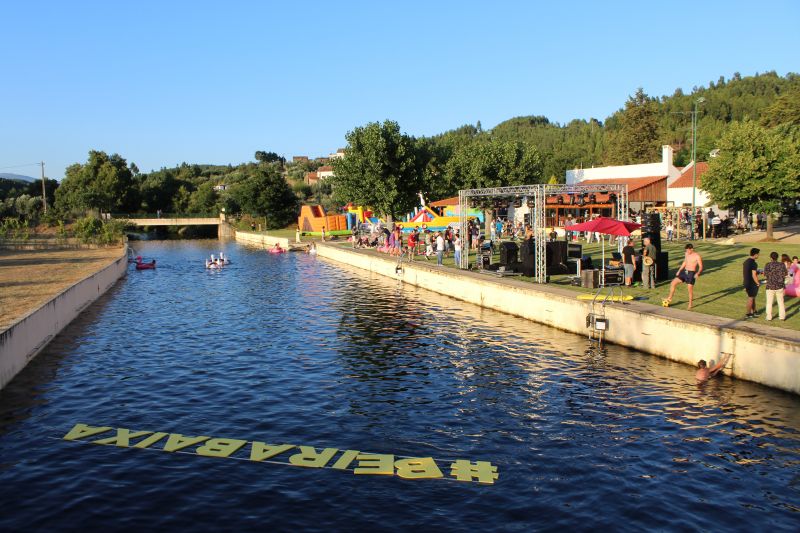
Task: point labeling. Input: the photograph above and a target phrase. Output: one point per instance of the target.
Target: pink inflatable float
(793, 288)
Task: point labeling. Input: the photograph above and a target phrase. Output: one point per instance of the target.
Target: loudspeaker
(556, 253)
(662, 266)
(557, 258)
(508, 253)
(528, 258)
(651, 227)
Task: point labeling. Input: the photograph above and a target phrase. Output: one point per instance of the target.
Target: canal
(291, 349)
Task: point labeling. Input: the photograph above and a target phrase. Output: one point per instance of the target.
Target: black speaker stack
(508, 253)
(651, 227)
(556, 258)
(527, 256)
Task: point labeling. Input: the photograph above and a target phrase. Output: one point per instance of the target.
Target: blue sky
(212, 82)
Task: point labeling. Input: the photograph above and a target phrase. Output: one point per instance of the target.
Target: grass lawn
(718, 291)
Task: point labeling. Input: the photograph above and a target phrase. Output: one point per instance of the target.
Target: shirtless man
(704, 373)
(688, 273)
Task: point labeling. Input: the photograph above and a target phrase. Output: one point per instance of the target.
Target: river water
(292, 349)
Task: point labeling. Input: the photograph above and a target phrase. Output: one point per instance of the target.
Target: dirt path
(28, 278)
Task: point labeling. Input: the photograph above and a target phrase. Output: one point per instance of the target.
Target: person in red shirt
(412, 244)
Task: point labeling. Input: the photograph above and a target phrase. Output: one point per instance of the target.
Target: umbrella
(607, 226)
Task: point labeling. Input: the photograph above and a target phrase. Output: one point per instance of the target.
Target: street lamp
(694, 161)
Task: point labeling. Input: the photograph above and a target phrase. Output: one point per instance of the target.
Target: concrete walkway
(789, 234)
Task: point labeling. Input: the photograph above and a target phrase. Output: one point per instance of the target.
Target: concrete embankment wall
(259, 239)
(24, 339)
(763, 354)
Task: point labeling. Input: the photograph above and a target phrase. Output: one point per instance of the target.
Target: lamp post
(694, 162)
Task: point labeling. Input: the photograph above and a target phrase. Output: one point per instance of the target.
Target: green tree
(180, 202)
(755, 169)
(269, 157)
(204, 199)
(380, 170)
(157, 190)
(636, 136)
(494, 163)
(784, 110)
(265, 193)
(104, 183)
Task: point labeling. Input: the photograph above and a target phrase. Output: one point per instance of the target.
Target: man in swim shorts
(750, 281)
(688, 273)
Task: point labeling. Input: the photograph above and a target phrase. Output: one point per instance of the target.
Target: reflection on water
(292, 349)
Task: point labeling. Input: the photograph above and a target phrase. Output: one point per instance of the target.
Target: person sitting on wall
(704, 373)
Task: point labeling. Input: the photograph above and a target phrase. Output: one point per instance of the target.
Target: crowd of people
(781, 279)
(419, 243)
(780, 275)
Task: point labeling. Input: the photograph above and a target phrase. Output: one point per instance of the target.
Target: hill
(767, 98)
(17, 177)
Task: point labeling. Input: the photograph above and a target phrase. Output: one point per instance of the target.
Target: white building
(324, 172)
(663, 168)
(679, 192)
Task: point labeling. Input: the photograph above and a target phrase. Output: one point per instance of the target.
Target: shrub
(93, 230)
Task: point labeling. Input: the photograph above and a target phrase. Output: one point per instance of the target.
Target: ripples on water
(294, 349)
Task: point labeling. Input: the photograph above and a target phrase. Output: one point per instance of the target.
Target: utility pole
(694, 166)
(44, 190)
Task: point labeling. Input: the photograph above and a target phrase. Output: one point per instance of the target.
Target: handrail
(138, 216)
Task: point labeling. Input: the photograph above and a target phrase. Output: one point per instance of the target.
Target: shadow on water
(29, 388)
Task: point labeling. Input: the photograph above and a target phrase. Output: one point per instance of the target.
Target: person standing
(428, 244)
(629, 262)
(323, 233)
(457, 249)
(412, 244)
(439, 248)
(715, 226)
(688, 273)
(750, 281)
(775, 272)
(670, 230)
(649, 256)
(493, 229)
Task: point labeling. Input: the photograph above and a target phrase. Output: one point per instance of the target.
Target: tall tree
(755, 169)
(380, 169)
(269, 157)
(635, 139)
(494, 163)
(783, 110)
(265, 193)
(104, 183)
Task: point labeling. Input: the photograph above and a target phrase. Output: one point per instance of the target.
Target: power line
(18, 166)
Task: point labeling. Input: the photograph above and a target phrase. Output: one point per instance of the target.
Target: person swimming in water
(704, 373)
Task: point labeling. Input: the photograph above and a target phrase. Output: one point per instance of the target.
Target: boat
(140, 265)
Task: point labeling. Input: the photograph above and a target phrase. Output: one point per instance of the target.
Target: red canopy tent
(607, 226)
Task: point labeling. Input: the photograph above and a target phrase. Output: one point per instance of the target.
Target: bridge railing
(136, 216)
